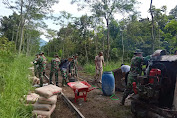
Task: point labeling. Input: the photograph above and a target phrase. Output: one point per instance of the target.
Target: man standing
(125, 70)
(40, 63)
(99, 61)
(75, 64)
(35, 66)
(45, 62)
(54, 69)
(136, 69)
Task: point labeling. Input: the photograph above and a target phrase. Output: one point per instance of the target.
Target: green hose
(113, 98)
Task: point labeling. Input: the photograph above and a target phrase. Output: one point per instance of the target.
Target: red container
(154, 72)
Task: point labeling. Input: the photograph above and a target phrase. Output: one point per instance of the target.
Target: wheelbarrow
(84, 88)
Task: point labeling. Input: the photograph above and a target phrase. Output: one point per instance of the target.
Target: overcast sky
(64, 5)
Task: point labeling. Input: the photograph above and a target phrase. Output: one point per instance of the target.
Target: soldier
(71, 67)
(45, 62)
(35, 66)
(63, 67)
(75, 64)
(40, 62)
(54, 69)
(136, 69)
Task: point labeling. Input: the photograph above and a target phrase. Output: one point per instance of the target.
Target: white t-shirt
(125, 68)
(99, 61)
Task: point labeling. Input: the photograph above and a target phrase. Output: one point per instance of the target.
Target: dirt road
(96, 106)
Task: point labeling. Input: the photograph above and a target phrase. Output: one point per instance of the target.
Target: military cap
(41, 52)
(76, 55)
(138, 51)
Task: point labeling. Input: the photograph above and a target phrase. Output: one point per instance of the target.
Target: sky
(64, 5)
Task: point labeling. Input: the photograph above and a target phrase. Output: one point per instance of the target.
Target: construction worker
(40, 63)
(135, 70)
(55, 68)
(125, 71)
(35, 66)
(99, 61)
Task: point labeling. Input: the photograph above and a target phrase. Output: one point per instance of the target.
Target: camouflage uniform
(45, 63)
(75, 66)
(136, 69)
(71, 67)
(40, 62)
(35, 66)
(54, 69)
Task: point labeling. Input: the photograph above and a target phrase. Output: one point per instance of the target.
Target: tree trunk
(16, 39)
(21, 29)
(103, 47)
(108, 44)
(122, 49)
(152, 32)
(86, 54)
(96, 45)
(13, 34)
(28, 43)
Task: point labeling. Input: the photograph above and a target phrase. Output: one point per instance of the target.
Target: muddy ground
(96, 106)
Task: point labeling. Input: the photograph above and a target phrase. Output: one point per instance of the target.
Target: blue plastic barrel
(108, 83)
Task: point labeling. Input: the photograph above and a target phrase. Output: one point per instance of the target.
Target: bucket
(108, 83)
(72, 79)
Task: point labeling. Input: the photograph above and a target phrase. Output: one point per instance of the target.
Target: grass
(90, 67)
(15, 85)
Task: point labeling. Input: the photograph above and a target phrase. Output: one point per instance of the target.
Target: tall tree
(152, 31)
(107, 9)
(29, 10)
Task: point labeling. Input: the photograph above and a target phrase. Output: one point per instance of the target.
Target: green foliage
(15, 85)
(90, 67)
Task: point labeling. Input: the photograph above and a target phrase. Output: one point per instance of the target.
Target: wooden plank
(71, 106)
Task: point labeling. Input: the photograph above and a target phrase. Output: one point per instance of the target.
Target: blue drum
(108, 83)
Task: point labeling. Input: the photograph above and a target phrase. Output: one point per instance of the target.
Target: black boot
(56, 83)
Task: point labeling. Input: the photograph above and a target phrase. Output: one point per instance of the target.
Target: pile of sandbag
(46, 103)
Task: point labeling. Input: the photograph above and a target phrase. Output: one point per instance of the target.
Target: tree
(107, 9)
(152, 31)
(173, 12)
(29, 10)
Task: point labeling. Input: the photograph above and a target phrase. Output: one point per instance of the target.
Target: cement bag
(32, 98)
(36, 80)
(51, 100)
(48, 91)
(43, 107)
(79, 85)
(40, 116)
(44, 113)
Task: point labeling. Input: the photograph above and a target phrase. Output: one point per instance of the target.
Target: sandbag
(32, 98)
(48, 91)
(44, 113)
(43, 107)
(51, 100)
